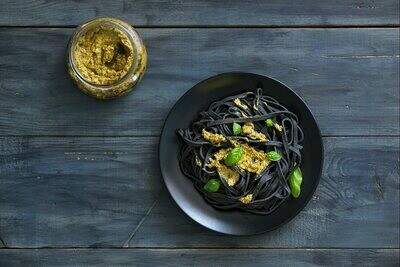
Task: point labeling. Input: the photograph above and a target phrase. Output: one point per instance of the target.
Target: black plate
(187, 109)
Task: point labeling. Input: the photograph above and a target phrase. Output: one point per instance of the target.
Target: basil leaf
(212, 185)
(269, 122)
(273, 155)
(234, 156)
(295, 179)
(237, 129)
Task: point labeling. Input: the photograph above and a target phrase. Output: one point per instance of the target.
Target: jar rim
(129, 32)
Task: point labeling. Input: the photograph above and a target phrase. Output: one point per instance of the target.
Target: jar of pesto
(106, 58)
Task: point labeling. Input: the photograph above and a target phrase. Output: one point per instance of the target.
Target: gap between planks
(332, 26)
(159, 135)
(197, 248)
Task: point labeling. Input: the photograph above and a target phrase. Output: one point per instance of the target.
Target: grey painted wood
(200, 257)
(75, 192)
(349, 78)
(355, 205)
(108, 192)
(179, 13)
(63, 192)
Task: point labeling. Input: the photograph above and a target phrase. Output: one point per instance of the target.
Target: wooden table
(79, 178)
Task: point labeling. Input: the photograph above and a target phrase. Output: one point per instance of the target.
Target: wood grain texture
(80, 192)
(200, 13)
(355, 205)
(75, 192)
(201, 257)
(349, 78)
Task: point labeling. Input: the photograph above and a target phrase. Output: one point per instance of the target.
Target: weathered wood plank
(199, 257)
(68, 192)
(349, 78)
(200, 13)
(75, 192)
(355, 205)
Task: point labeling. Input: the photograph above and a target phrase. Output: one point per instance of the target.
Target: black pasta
(270, 188)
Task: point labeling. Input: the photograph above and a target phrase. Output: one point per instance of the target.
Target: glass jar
(106, 69)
